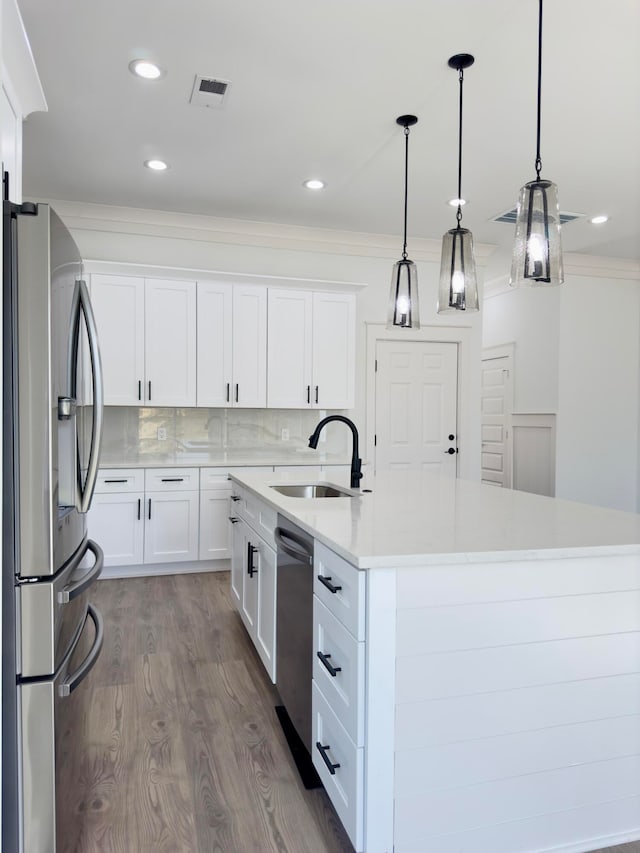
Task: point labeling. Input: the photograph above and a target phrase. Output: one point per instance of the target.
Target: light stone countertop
(414, 518)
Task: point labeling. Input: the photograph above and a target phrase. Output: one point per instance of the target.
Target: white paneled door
(416, 406)
(496, 403)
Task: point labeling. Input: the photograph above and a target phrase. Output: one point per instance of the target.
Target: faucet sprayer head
(313, 440)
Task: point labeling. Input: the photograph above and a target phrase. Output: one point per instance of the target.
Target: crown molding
(82, 216)
(18, 64)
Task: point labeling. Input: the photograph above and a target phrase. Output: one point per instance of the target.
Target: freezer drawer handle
(326, 581)
(332, 670)
(72, 681)
(74, 590)
(323, 752)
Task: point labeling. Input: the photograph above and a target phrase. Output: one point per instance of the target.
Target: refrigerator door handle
(72, 681)
(74, 590)
(97, 381)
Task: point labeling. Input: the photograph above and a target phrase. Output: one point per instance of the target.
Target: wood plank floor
(182, 751)
(182, 747)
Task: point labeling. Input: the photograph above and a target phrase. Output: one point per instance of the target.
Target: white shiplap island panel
(503, 683)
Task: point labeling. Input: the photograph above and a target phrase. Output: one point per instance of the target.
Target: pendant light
(458, 289)
(403, 299)
(537, 252)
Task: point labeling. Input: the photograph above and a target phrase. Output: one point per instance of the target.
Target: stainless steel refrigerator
(52, 426)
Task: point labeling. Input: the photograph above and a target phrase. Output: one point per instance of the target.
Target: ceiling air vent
(509, 216)
(209, 92)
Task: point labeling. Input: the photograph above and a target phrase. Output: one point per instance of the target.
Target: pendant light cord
(459, 212)
(406, 188)
(538, 159)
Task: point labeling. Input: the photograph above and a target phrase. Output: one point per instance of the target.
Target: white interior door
(416, 406)
(497, 404)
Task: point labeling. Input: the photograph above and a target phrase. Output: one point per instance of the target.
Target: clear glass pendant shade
(403, 298)
(537, 251)
(458, 289)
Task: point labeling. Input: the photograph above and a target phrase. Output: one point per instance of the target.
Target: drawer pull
(116, 481)
(332, 670)
(235, 497)
(172, 480)
(323, 752)
(326, 581)
(233, 519)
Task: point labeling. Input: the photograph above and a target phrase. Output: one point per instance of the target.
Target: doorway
(416, 406)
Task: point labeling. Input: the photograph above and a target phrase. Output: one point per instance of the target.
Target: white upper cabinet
(118, 305)
(232, 345)
(170, 342)
(311, 350)
(147, 332)
(289, 349)
(334, 350)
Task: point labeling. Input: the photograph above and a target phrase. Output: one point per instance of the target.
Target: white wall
(577, 355)
(202, 243)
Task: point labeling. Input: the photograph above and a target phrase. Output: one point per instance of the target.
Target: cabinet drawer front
(346, 603)
(215, 478)
(171, 479)
(112, 480)
(343, 655)
(345, 786)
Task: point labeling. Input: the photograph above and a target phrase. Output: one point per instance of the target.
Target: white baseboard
(151, 569)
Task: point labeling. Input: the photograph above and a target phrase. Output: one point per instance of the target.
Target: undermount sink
(313, 490)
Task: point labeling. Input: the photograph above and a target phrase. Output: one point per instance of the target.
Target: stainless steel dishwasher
(294, 642)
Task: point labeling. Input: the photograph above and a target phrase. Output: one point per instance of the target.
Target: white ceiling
(316, 88)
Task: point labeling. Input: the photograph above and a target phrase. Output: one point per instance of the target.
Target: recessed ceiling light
(146, 69)
(454, 202)
(599, 220)
(314, 184)
(156, 165)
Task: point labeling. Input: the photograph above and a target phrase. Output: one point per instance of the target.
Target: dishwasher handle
(284, 540)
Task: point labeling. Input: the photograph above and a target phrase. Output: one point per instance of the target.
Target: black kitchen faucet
(356, 462)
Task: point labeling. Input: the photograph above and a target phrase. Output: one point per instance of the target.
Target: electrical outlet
(162, 433)
(284, 435)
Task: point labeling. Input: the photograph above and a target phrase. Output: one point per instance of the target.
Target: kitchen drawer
(345, 786)
(171, 479)
(341, 589)
(218, 478)
(344, 691)
(119, 480)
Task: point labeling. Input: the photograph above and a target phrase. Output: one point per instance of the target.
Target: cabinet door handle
(251, 550)
(172, 480)
(236, 392)
(139, 389)
(308, 393)
(316, 393)
(332, 670)
(233, 519)
(235, 497)
(323, 752)
(149, 509)
(228, 390)
(149, 390)
(326, 581)
(139, 508)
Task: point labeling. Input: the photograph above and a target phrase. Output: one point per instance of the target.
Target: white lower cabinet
(254, 574)
(338, 695)
(146, 517)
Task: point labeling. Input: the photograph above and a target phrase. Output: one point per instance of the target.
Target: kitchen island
(492, 698)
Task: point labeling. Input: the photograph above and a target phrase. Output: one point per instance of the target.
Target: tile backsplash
(134, 431)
